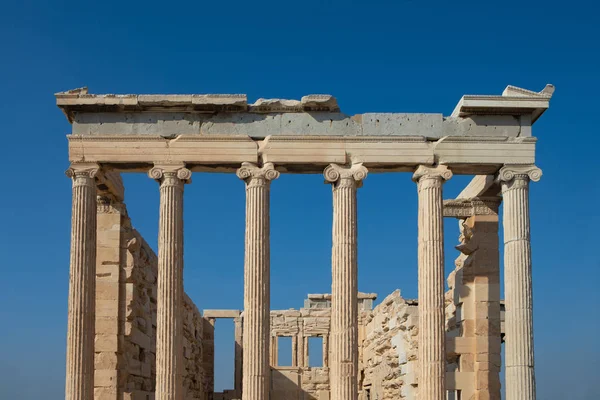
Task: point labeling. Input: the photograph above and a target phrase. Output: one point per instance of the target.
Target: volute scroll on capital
(250, 171)
(338, 174)
(439, 172)
(83, 174)
(512, 171)
(88, 170)
(175, 172)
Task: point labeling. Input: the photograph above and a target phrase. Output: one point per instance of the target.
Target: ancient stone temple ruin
(133, 333)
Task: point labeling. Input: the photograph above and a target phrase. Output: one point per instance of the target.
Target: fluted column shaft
(432, 334)
(344, 286)
(82, 285)
(520, 376)
(169, 310)
(257, 296)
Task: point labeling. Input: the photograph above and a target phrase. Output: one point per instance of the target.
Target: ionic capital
(439, 173)
(342, 176)
(170, 174)
(83, 173)
(519, 171)
(253, 174)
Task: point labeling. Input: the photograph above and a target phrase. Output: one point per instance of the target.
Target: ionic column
(82, 284)
(257, 297)
(432, 334)
(344, 286)
(520, 377)
(169, 309)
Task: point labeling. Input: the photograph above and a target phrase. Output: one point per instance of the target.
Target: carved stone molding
(83, 174)
(254, 175)
(440, 172)
(108, 204)
(464, 208)
(170, 174)
(342, 176)
(519, 171)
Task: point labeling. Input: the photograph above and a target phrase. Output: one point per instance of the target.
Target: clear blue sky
(405, 56)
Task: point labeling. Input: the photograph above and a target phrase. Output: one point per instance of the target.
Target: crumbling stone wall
(300, 381)
(125, 362)
(389, 351)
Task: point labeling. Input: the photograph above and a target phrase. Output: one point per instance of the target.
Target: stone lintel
(303, 154)
(221, 313)
(109, 183)
(465, 208)
(480, 186)
(327, 296)
(287, 122)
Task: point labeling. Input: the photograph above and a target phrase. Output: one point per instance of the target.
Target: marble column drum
(520, 376)
(432, 333)
(257, 297)
(82, 284)
(169, 320)
(344, 287)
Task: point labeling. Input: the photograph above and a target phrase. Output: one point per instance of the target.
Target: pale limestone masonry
(473, 310)
(126, 315)
(300, 380)
(390, 350)
(171, 356)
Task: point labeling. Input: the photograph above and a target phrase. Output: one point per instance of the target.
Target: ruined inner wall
(125, 346)
(473, 327)
(300, 381)
(389, 350)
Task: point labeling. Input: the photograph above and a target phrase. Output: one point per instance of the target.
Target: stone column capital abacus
(510, 172)
(83, 173)
(439, 173)
(252, 174)
(344, 176)
(170, 174)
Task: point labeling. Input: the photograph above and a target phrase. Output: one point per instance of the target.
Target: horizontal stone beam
(259, 125)
(480, 185)
(110, 183)
(327, 296)
(464, 208)
(464, 155)
(221, 313)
